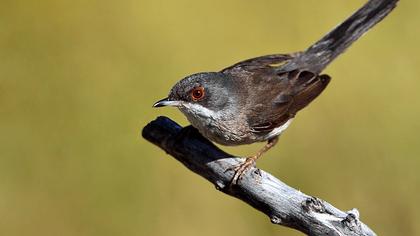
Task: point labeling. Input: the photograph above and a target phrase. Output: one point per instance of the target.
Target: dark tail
(323, 52)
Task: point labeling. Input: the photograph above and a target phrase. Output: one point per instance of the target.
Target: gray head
(209, 90)
(201, 96)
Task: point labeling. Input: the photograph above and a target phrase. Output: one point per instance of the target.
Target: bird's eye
(197, 93)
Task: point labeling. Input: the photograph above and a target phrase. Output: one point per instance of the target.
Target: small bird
(256, 100)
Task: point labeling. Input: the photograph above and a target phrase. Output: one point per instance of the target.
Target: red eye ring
(197, 93)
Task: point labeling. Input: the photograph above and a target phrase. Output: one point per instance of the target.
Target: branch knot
(313, 204)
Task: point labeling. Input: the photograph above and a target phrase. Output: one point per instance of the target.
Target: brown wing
(273, 97)
(303, 88)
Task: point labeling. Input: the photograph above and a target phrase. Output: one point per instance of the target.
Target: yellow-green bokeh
(78, 78)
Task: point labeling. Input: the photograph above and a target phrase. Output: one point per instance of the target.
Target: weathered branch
(283, 204)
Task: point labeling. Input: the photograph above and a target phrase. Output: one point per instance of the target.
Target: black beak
(166, 102)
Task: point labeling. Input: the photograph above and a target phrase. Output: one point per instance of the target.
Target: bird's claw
(241, 169)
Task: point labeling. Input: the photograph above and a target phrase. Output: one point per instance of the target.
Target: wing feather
(272, 97)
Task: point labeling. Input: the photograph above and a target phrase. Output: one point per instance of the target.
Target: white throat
(200, 117)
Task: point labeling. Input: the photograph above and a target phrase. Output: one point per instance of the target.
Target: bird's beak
(166, 102)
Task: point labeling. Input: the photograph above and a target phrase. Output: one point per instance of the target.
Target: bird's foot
(241, 169)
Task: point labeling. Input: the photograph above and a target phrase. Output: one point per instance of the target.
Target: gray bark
(283, 204)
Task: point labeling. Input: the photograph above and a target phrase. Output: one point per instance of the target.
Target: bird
(256, 100)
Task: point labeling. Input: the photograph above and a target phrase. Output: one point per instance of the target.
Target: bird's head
(200, 96)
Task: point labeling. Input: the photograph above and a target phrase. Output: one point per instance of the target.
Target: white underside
(279, 130)
(210, 125)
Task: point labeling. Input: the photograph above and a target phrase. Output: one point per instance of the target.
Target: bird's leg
(250, 161)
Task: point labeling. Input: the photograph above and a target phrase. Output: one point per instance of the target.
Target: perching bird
(256, 100)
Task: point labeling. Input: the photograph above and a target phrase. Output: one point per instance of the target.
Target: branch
(283, 204)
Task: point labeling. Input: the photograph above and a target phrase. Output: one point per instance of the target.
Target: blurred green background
(78, 78)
